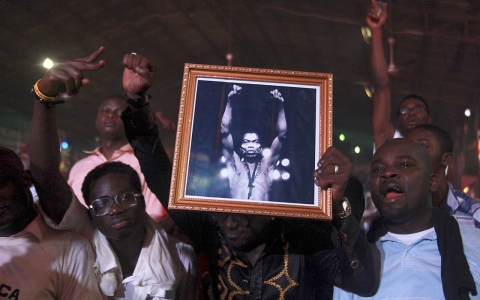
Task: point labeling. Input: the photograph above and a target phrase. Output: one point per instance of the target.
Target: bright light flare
(468, 112)
(48, 63)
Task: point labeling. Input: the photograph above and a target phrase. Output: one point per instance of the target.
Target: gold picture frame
(215, 165)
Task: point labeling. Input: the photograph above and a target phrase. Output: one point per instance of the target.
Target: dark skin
(249, 234)
(383, 125)
(68, 77)
(440, 161)
(110, 126)
(16, 202)
(408, 121)
(401, 179)
(65, 77)
(383, 128)
(326, 178)
(123, 227)
(245, 233)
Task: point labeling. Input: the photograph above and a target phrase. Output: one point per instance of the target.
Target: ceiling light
(369, 91)
(366, 34)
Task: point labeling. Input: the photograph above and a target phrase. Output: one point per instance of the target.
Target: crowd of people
(107, 232)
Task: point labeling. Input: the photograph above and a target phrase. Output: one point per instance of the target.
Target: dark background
(436, 51)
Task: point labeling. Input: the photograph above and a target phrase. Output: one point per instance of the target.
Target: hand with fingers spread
(138, 74)
(68, 76)
(334, 171)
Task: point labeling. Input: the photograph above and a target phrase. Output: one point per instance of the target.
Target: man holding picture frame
(264, 257)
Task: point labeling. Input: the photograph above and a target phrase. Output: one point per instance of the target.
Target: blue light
(64, 145)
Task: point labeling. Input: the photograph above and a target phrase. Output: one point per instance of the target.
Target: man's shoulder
(68, 238)
(86, 162)
(55, 242)
(96, 158)
(464, 208)
(467, 204)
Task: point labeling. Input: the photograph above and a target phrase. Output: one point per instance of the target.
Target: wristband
(44, 99)
(138, 102)
(376, 36)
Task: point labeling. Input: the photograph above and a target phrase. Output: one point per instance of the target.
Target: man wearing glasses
(135, 259)
(412, 111)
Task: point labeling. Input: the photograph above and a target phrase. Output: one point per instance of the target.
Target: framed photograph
(248, 141)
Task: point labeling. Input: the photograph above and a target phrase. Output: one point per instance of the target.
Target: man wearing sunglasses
(135, 258)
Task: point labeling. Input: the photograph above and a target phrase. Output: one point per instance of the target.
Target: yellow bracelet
(40, 94)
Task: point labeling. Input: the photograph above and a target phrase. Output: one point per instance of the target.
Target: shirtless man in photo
(249, 169)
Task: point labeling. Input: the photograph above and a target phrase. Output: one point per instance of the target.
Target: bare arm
(383, 128)
(278, 142)
(227, 138)
(53, 191)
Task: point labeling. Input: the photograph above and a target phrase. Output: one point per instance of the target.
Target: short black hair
(114, 167)
(443, 137)
(414, 96)
(115, 96)
(12, 158)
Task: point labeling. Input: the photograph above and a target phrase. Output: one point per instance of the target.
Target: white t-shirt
(42, 263)
(163, 265)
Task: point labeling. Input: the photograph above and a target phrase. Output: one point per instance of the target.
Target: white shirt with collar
(166, 268)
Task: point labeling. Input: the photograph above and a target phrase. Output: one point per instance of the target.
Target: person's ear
(433, 183)
(446, 158)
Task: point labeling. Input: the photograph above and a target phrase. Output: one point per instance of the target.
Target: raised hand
(138, 74)
(334, 170)
(236, 90)
(68, 76)
(277, 95)
(376, 16)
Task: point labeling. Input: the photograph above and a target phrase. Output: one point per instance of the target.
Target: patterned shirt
(464, 208)
(467, 212)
